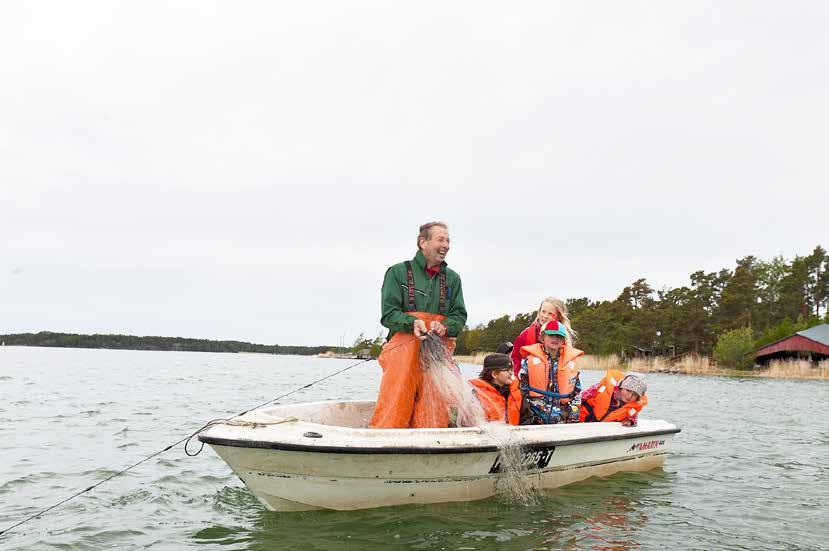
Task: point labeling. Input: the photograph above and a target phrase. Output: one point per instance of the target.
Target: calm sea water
(750, 469)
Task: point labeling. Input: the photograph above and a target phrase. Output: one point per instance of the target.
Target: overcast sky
(249, 170)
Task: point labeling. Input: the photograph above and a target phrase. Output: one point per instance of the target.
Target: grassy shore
(692, 365)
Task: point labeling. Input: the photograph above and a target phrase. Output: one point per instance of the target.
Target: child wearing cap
(616, 397)
(497, 390)
(551, 309)
(548, 378)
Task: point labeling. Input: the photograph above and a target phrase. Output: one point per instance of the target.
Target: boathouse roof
(818, 333)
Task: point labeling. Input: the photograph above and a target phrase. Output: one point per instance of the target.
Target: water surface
(750, 469)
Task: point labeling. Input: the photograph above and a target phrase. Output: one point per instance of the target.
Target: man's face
(552, 342)
(435, 248)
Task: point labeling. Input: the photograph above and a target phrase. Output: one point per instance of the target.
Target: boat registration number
(531, 459)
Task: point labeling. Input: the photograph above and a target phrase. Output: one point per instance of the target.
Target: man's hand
(630, 422)
(420, 329)
(438, 328)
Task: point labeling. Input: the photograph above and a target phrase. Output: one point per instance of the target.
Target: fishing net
(514, 480)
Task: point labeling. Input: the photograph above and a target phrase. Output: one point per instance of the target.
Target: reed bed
(475, 359)
(691, 364)
(599, 363)
(796, 369)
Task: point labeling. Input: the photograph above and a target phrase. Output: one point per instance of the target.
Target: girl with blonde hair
(551, 308)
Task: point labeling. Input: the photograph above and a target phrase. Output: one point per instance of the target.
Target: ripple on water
(136, 496)
(89, 538)
(170, 461)
(500, 536)
(100, 473)
(222, 535)
(234, 499)
(29, 479)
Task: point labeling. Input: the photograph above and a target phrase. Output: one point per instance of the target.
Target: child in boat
(616, 397)
(551, 309)
(497, 390)
(548, 379)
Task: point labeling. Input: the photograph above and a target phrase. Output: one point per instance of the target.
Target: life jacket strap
(549, 394)
(547, 418)
(591, 415)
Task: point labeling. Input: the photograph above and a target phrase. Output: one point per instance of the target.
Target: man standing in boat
(419, 296)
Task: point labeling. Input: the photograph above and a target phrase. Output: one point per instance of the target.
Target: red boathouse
(812, 343)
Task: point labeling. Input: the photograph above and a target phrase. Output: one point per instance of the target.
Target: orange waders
(407, 399)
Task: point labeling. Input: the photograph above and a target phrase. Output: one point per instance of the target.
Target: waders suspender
(442, 304)
(410, 307)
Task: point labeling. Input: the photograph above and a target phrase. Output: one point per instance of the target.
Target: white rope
(252, 424)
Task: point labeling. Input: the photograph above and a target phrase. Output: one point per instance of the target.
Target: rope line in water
(187, 439)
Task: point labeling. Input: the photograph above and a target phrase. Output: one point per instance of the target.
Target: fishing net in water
(516, 481)
(448, 391)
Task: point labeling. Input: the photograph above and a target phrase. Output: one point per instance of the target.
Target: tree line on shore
(129, 342)
(766, 299)
(731, 310)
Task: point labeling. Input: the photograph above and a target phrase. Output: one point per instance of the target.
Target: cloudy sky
(249, 170)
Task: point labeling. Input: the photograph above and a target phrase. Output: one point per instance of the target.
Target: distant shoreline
(162, 344)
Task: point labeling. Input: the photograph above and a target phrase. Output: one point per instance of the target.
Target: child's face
(552, 342)
(626, 395)
(502, 377)
(546, 313)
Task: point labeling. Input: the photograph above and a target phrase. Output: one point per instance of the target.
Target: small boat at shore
(322, 455)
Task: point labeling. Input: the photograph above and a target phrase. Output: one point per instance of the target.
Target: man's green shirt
(395, 297)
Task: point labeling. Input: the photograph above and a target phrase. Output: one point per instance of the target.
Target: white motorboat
(322, 455)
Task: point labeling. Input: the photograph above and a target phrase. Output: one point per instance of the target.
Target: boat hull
(347, 468)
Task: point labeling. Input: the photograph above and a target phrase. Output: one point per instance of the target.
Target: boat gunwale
(424, 450)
